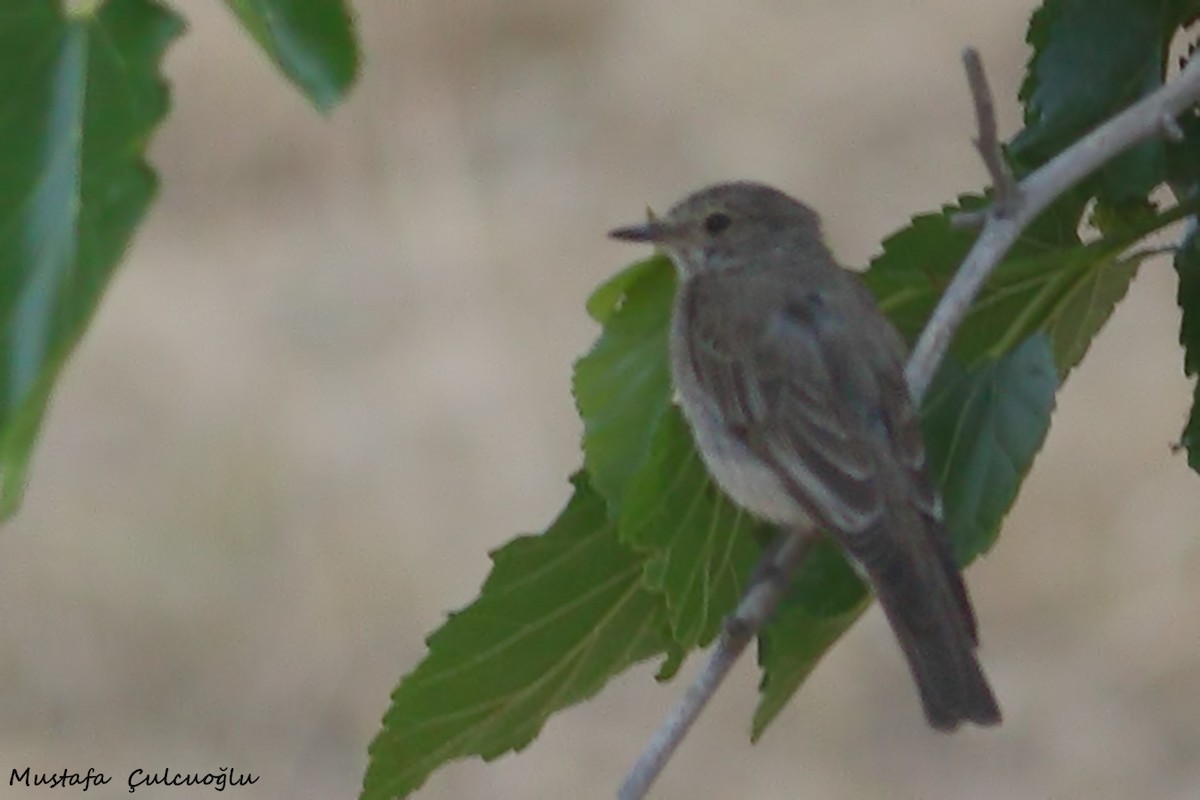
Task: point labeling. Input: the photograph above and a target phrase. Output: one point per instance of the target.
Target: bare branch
(1006, 192)
(1016, 205)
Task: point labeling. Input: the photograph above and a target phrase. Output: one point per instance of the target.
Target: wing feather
(780, 383)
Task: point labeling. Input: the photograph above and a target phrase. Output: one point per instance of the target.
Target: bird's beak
(653, 230)
(648, 232)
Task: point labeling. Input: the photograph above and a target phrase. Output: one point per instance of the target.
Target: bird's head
(726, 225)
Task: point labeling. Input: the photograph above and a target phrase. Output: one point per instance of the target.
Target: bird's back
(801, 409)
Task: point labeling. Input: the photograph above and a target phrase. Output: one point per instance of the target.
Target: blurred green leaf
(1091, 59)
(983, 428)
(1067, 295)
(622, 386)
(1125, 220)
(1187, 267)
(82, 96)
(312, 41)
(1183, 157)
(1049, 282)
(701, 547)
(917, 264)
(560, 614)
(919, 261)
(789, 649)
(826, 584)
(607, 298)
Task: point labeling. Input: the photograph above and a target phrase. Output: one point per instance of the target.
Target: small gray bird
(793, 383)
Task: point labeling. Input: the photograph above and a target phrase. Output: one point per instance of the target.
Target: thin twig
(757, 605)
(1001, 228)
(970, 220)
(1005, 191)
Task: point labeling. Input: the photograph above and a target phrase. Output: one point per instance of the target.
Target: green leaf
(1183, 157)
(82, 96)
(701, 547)
(788, 651)
(919, 261)
(983, 428)
(1091, 59)
(917, 264)
(1067, 295)
(826, 584)
(1187, 266)
(311, 41)
(622, 386)
(827, 597)
(1049, 282)
(560, 614)
(982, 431)
(607, 298)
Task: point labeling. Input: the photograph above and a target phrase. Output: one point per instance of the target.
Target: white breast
(747, 480)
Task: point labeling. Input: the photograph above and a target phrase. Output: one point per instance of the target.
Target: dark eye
(716, 222)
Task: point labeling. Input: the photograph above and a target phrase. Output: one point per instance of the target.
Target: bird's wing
(783, 371)
(813, 383)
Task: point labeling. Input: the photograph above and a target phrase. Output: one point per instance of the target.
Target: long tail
(925, 600)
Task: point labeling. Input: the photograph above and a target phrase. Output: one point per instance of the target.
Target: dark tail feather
(951, 683)
(923, 596)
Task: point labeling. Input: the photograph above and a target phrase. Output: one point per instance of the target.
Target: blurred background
(334, 373)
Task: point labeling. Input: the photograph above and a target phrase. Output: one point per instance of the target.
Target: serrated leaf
(917, 264)
(1068, 295)
(700, 547)
(983, 428)
(1187, 267)
(559, 615)
(313, 43)
(826, 599)
(1088, 299)
(919, 261)
(789, 649)
(1091, 59)
(82, 96)
(622, 386)
(982, 431)
(1049, 282)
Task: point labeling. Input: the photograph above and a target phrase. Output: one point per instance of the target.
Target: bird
(792, 382)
